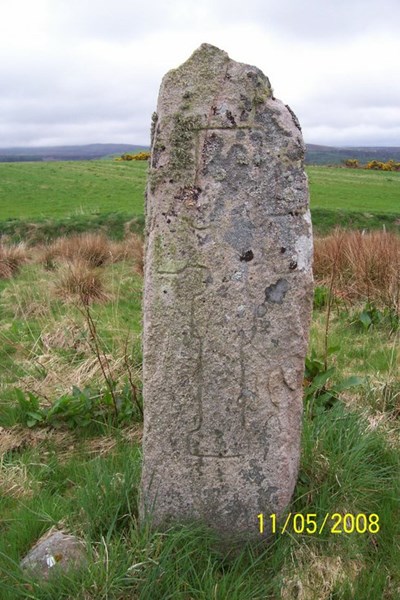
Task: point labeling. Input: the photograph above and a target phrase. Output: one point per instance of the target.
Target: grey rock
(54, 550)
(227, 300)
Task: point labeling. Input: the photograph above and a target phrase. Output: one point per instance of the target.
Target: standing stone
(227, 302)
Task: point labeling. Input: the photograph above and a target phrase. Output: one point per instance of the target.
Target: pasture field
(71, 411)
(53, 190)
(38, 200)
(355, 190)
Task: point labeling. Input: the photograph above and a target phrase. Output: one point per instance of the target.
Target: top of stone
(208, 49)
(211, 86)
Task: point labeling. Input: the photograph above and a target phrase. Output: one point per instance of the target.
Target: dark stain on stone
(211, 150)
(292, 265)
(230, 118)
(276, 292)
(246, 106)
(247, 256)
(222, 291)
(257, 136)
(283, 250)
(261, 310)
(254, 473)
(188, 194)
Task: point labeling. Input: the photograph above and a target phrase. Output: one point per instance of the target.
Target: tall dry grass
(79, 282)
(362, 265)
(131, 248)
(94, 249)
(11, 259)
(91, 248)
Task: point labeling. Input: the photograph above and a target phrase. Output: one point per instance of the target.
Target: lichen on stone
(181, 143)
(154, 119)
(155, 177)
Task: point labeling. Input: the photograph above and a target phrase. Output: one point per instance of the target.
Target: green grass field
(354, 190)
(67, 192)
(59, 189)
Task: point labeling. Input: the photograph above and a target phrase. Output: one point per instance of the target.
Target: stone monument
(227, 300)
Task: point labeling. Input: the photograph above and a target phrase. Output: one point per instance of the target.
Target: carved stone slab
(227, 303)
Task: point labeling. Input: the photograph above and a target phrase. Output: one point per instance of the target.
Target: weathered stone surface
(227, 304)
(54, 549)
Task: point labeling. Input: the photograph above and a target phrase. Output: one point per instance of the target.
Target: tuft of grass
(14, 480)
(80, 283)
(90, 248)
(12, 257)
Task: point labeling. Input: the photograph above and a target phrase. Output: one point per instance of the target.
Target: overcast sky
(88, 71)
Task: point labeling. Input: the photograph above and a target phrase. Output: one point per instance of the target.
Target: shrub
(351, 163)
(389, 165)
(137, 156)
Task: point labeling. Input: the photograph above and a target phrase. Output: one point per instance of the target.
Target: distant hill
(331, 155)
(316, 155)
(50, 153)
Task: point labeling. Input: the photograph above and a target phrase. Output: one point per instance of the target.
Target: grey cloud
(361, 135)
(103, 20)
(90, 79)
(315, 19)
(67, 132)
